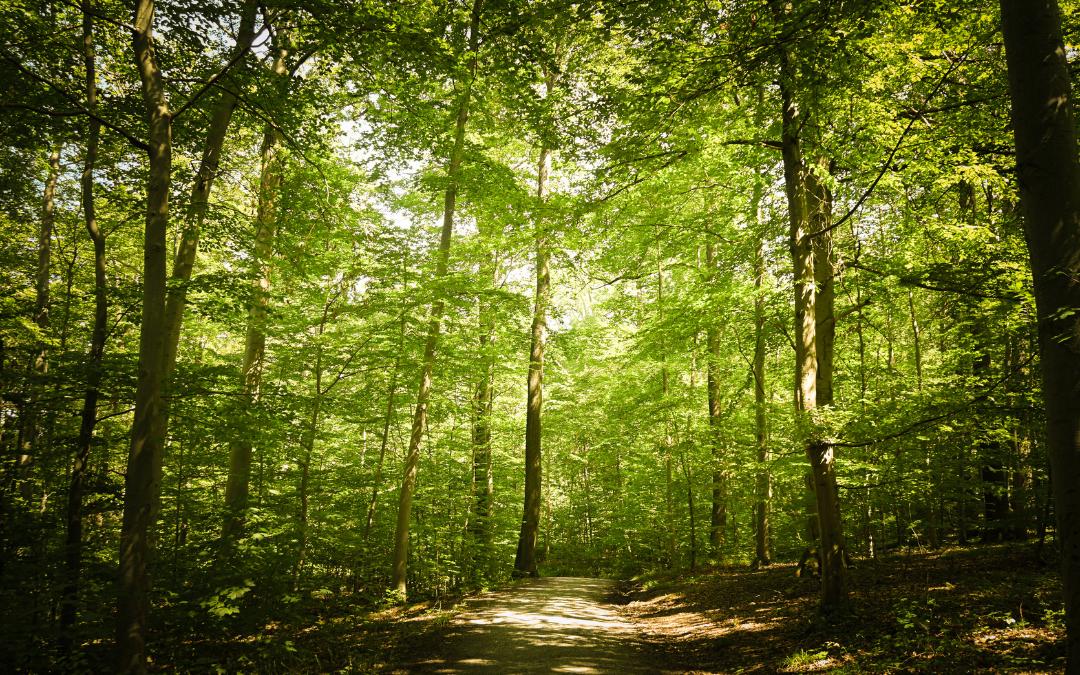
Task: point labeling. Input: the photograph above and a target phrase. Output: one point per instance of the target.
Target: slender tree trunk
(1049, 180)
(483, 484)
(39, 364)
(45, 233)
(689, 475)
(88, 418)
(916, 334)
(762, 534)
(391, 392)
(142, 483)
(308, 450)
(834, 594)
(525, 561)
(819, 206)
(412, 458)
(240, 450)
(199, 199)
(718, 514)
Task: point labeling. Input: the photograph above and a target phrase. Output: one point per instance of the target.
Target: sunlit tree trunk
(1049, 181)
(819, 452)
(525, 561)
(762, 526)
(88, 416)
(199, 199)
(142, 481)
(718, 514)
(240, 449)
(412, 458)
(384, 439)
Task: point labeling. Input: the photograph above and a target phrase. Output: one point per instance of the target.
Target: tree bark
(834, 593)
(186, 250)
(391, 392)
(240, 449)
(88, 417)
(525, 560)
(762, 534)
(39, 363)
(442, 263)
(718, 512)
(483, 484)
(1049, 180)
(142, 483)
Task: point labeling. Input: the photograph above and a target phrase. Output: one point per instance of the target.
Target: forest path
(546, 625)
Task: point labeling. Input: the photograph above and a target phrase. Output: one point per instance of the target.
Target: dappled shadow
(554, 624)
(951, 611)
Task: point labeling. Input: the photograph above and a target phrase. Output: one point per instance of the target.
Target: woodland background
(614, 172)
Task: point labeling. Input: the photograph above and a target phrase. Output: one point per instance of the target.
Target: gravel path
(547, 625)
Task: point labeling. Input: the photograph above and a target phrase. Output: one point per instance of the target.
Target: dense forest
(392, 301)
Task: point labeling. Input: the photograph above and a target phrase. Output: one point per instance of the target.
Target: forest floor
(547, 625)
(960, 610)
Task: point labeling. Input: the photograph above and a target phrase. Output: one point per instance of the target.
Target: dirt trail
(548, 625)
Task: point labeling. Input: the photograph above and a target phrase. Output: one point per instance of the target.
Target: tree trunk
(88, 418)
(483, 485)
(308, 450)
(186, 250)
(412, 458)
(718, 514)
(762, 534)
(142, 482)
(525, 561)
(391, 391)
(1049, 180)
(39, 364)
(240, 450)
(834, 594)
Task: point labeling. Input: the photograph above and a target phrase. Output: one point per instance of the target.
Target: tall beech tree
(1048, 176)
(142, 483)
(399, 567)
(819, 452)
(266, 225)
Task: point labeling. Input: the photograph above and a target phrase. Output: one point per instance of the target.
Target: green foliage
(664, 120)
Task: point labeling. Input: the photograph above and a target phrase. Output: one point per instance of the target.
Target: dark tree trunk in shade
(1048, 173)
(142, 483)
(88, 416)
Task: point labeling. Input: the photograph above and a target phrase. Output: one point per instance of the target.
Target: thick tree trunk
(834, 594)
(240, 450)
(1049, 180)
(88, 418)
(142, 482)
(412, 458)
(525, 561)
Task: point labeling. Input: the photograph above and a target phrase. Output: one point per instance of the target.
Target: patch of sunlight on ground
(531, 619)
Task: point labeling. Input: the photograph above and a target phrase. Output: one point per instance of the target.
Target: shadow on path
(547, 625)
